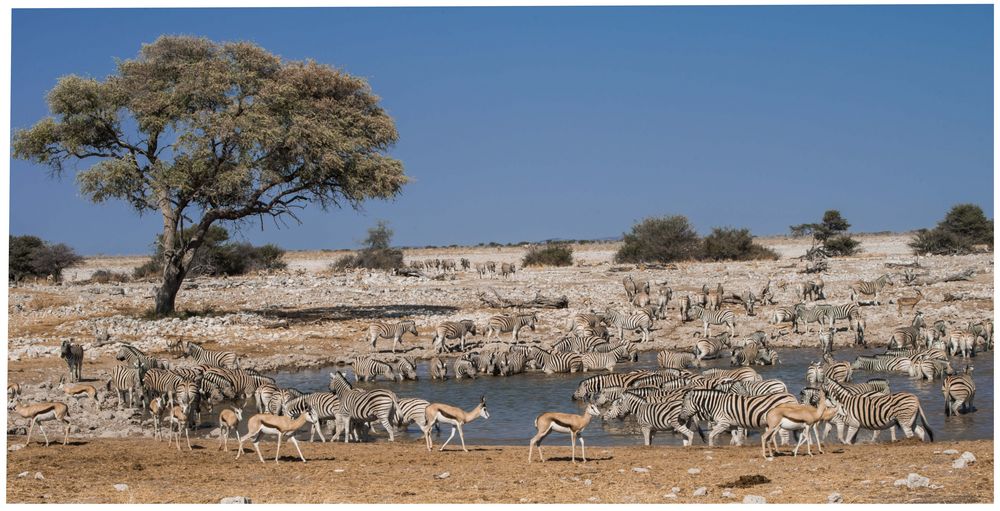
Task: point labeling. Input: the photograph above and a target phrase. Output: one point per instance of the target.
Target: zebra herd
(491, 269)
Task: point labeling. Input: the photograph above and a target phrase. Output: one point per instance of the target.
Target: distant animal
(908, 301)
(394, 331)
(865, 288)
(73, 355)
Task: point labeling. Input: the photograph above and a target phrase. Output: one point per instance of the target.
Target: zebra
(848, 311)
(782, 315)
(826, 340)
(72, 353)
(962, 344)
(128, 353)
(363, 405)
(741, 374)
(730, 410)
(839, 371)
(611, 394)
(406, 368)
(710, 317)
(465, 368)
(929, 369)
(870, 288)
(583, 320)
(502, 323)
(369, 368)
(507, 270)
(711, 347)
(677, 359)
(882, 363)
(903, 336)
(983, 329)
(394, 331)
(513, 362)
(663, 297)
(640, 321)
(810, 290)
(245, 383)
(958, 390)
(188, 396)
(758, 388)
(579, 344)
(452, 330)
(481, 269)
(326, 405)
(656, 416)
(685, 308)
(438, 369)
(411, 410)
(559, 362)
(217, 358)
(608, 359)
(160, 382)
(878, 412)
(745, 355)
(590, 387)
(128, 379)
(804, 315)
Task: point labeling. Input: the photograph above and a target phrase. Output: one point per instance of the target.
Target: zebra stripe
(452, 330)
(889, 364)
(677, 359)
(714, 317)
(581, 344)
(326, 405)
(72, 353)
(639, 321)
(127, 379)
(711, 347)
(363, 405)
(216, 358)
(465, 368)
(848, 311)
(160, 382)
(741, 374)
(758, 388)
(730, 410)
(438, 369)
(503, 323)
(590, 387)
(878, 412)
(958, 391)
(394, 331)
(368, 369)
(128, 353)
(869, 288)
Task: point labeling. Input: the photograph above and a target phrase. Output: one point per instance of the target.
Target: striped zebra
(128, 379)
(652, 417)
(663, 297)
(983, 330)
(741, 374)
(72, 353)
(727, 411)
(560, 362)
(782, 315)
(745, 355)
(714, 317)
(465, 368)
(611, 394)
(848, 311)
(412, 410)
(878, 412)
(438, 369)
(838, 371)
(758, 388)
(962, 344)
(595, 331)
(685, 308)
(513, 362)
(452, 330)
(887, 364)
(507, 270)
(503, 323)
(406, 368)
(903, 336)
(326, 405)
(959, 390)
(638, 321)
(394, 331)
(676, 359)
(579, 344)
(608, 360)
(711, 347)
(160, 382)
(590, 387)
(128, 353)
(869, 288)
(929, 369)
(244, 382)
(805, 315)
(370, 368)
(363, 405)
(216, 358)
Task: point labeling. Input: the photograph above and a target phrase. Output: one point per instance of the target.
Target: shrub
(550, 254)
(148, 269)
(830, 233)
(376, 255)
(30, 256)
(218, 256)
(842, 245)
(964, 226)
(662, 240)
(107, 276)
(725, 243)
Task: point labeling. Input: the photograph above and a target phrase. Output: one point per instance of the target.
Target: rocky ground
(309, 316)
(145, 471)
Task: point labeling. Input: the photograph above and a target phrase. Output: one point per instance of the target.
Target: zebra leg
(388, 428)
(647, 435)
(716, 431)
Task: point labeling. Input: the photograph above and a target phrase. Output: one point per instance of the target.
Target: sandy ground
(405, 473)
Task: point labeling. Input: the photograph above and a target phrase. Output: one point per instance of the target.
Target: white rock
(694, 471)
(675, 489)
(754, 499)
(969, 457)
(670, 496)
(587, 482)
(121, 487)
(641, 470)
(39, 476)
(949, 451)
(593, 499)
(702, 491)
(235, 500)
(727, 493)
(834, 498)
(443, 475)
(23, 474)
(913, 481)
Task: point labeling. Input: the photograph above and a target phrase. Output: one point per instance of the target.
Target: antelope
(13, 391)
(156, 409)
(796, 416)
(229, 419)
(563, 423)
(451, 415)
(78, 389)
(41, 412)
(179, 418)
(908, 301)
(280, 425)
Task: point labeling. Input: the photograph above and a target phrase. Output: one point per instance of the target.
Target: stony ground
(309, 316)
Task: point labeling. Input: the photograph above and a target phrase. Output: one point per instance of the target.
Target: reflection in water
(515, 401)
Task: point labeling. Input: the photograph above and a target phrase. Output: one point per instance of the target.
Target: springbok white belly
(47, 416)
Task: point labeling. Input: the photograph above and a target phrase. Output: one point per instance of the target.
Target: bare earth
(308, 316)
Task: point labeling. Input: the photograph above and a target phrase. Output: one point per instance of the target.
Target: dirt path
(87, 470)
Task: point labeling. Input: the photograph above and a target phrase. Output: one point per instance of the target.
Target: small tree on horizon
(664, 239)
(962, 228)
(204, 132)
(831, 233)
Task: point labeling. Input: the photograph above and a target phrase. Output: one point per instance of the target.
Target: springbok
(908, 301)
(229, 419)
(451, 415)
(280, 425)
(563, 423)
(794, 416)
(179, 418)
(156, 409)
(78, 389)
(41, 412)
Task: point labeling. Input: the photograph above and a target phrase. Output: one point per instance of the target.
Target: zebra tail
(927, 427)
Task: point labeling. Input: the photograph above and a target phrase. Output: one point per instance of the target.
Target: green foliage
(664, 239)
(962, 228)
(108, 277)
(725, 243)
(550, 254)
(842, 245)
(217, 256)
(376, 254)
(30, 256)
(831, 233)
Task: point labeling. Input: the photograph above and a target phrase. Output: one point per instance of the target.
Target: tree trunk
(166, 294)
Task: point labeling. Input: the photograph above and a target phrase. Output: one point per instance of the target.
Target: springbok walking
(41, 412)
(563, 423)
(451, 415)
(280, 425)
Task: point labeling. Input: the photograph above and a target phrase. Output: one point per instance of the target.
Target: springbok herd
(678, 397)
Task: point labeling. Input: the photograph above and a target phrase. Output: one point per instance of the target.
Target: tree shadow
(349, 312)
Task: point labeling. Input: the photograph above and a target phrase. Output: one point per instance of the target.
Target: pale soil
(86, 472)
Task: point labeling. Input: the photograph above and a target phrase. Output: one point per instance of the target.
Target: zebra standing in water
(73, 355)
(406, 368)
(888, 364)
(452, 330)
(369, 368)
(958, 392)
(394, 331)
(608, 360)
(758, 388)
(726, 410)
(326, 405)
(673, 359)
(869, 288)
(585, 344)
(653, 416)
(503, 323)
(878, 412)
(363, 405)
(640, 320)
(465, 368)
(711, 347)
(215, 358)
(710, 317)
(438, 369)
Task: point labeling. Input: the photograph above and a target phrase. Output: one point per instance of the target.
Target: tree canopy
(203, 132)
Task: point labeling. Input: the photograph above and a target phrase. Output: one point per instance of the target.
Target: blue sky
(534, 123)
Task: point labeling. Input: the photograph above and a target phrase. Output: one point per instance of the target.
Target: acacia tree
(205, 132)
